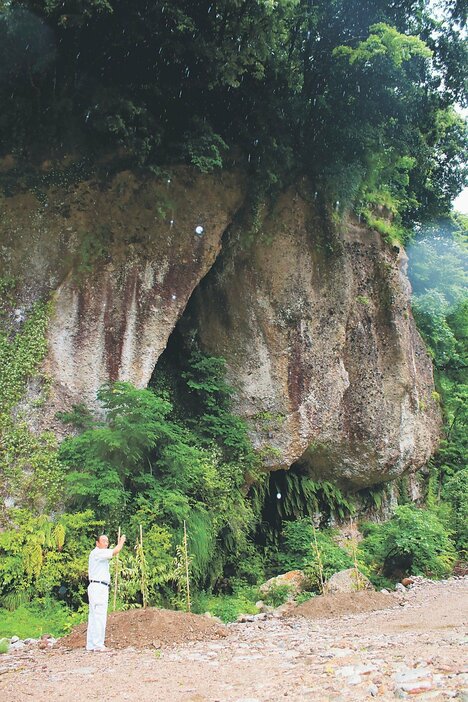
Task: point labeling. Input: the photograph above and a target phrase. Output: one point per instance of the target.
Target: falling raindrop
(278, 496)
(174, 296)
(199, 230)
(337, 204)
(171, 222)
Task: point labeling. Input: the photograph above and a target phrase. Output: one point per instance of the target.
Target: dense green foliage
(42, 617)
(356, 94)
(146, 464)
(40, 555)
(439, 274)
(313, 551)
(413, 541)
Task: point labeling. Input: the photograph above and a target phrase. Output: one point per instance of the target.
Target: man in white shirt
(98, 591)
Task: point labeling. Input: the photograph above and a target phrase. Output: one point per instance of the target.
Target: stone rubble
(378, 655)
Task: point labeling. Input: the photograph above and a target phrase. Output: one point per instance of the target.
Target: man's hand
(120, 543)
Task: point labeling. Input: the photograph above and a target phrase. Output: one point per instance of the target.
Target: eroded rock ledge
(313, 319)
(317, 330)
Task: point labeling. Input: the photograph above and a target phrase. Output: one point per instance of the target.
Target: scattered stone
(400, 588)
(14, 639)
(243, 618)
(17, 645)
(411, 675)
(407, 581)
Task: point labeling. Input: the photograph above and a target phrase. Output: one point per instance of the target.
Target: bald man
(98, 591)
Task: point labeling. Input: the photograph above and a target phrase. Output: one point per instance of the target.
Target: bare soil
(150, 628)
(416, 648)
(330, 606)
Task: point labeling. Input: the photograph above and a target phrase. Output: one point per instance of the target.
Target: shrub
(44, 616)
(414, 541)
(226, 607)
(299, 552)
(277, 595)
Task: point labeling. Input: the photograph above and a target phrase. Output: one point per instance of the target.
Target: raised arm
(120, 543)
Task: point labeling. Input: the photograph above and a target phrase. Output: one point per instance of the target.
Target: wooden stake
(143, 570)
(116, 575)
(319, 561)
(186, 566)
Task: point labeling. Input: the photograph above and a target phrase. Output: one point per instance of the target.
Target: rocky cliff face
(120, 263)
(313, 320)
(320, 342)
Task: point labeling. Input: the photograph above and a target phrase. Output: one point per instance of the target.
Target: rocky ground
(415, 648)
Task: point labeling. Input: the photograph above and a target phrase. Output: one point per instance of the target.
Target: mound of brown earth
(330, 606)
(150, 628)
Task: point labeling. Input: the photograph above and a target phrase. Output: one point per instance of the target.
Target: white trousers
(98, 596)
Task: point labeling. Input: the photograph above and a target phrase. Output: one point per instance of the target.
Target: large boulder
(295, 580)
(350, 580)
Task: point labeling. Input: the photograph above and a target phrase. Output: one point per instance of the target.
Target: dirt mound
(150, 628)
(330, 606)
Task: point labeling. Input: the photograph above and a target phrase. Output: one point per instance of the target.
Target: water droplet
(199, 230)
(278, 496)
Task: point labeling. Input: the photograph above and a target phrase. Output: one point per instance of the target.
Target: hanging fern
(201, 542)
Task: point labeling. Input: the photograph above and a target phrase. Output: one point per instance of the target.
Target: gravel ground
(417, 649)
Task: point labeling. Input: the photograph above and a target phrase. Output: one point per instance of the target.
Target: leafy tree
(344, 91)
(438, 271)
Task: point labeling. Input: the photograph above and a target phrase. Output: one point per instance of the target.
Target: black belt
(100, 582)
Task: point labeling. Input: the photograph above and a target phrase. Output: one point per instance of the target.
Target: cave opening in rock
(172, 363)
(277, 497)
(289, 495)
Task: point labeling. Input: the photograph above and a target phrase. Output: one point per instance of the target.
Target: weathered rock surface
(321, 344)
(295, 580)
(314, 322)
(349, 580)
(121, 261)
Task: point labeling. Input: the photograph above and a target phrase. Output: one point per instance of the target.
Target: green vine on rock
(29, 465)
